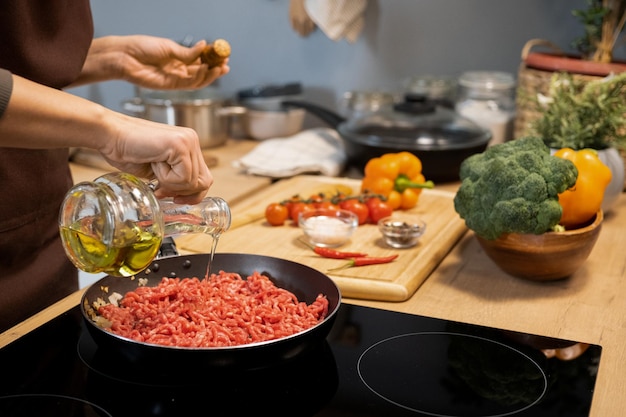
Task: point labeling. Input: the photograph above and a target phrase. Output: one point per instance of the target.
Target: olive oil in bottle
(116, 225)
(123, 258)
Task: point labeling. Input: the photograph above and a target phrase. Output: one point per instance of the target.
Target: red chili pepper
(335, 254)
(332, 253)
(366, 260)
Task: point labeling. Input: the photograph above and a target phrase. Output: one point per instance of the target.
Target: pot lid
(203, 96)
(269, 97)
(416, 123)
(487, 80)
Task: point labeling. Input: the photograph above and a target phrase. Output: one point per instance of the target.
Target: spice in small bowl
(328, 228)
(401, 231)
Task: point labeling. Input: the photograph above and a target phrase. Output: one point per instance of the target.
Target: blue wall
(402, 38)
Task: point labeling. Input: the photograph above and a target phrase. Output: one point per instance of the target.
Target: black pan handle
(331, 118)
(168, 248)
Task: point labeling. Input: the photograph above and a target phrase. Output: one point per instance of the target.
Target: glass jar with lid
(439, 89)
(488, 99)
(355, 104)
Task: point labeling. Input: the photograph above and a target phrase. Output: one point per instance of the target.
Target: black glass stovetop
(373, 363)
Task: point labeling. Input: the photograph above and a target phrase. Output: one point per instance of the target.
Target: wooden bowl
(546, 257)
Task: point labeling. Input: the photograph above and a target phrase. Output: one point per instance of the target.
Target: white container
(328, 228)
(488, 99)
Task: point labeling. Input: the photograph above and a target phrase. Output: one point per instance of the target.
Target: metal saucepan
(202, 110)
(440, 137)
(305, 282)
(266, 118)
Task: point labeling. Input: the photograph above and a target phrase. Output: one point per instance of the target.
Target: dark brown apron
(45, 41)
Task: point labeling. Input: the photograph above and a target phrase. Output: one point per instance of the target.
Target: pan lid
(416, 123)
(269, 97)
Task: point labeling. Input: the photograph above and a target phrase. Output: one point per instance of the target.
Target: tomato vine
(368, 207)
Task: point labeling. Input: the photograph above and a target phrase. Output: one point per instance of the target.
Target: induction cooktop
(373, 363)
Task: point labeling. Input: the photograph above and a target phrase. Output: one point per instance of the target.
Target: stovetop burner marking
(31, 400)
(435, 414)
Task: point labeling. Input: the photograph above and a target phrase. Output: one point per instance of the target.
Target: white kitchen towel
(338, 18)
(310, 151)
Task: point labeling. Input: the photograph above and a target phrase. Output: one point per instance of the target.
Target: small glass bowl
(328, 228)
(401, 231)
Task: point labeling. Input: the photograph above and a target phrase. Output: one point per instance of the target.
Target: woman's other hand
(149, 62)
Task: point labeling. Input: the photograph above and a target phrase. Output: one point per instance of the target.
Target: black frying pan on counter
(305, 282)
(440, 137)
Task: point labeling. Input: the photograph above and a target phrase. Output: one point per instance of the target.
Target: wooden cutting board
(396, 281)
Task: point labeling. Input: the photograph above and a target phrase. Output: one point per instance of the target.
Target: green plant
(582, 114)
(603, 22)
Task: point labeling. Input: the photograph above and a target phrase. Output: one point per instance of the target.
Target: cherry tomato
(378, 209)
(276, 214)
(289, 203)
(327, 205)
(316, 199)
(298, 208)
(339, 196)
(356, 207)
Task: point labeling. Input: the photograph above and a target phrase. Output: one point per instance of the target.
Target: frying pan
(440, 137)
(305, 282)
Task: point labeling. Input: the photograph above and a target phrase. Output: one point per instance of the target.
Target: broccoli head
(513, 187)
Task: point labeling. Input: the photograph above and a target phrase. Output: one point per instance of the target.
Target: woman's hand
(171, 154)
(40, 117)
(148, 61)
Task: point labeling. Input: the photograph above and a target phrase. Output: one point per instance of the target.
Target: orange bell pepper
(397, 177)
(581, 202)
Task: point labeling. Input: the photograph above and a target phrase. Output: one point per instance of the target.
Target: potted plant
(603, 22)
(510, 197)
(580, 114)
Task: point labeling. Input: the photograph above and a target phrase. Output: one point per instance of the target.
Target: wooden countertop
(589, 306)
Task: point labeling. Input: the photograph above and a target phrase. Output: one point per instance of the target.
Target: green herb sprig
(582, 114)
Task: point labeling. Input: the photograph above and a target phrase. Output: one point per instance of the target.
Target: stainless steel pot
(202, 110)
(261, 124)
(266, 118)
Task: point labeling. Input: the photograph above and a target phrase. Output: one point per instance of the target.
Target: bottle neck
(211, 216)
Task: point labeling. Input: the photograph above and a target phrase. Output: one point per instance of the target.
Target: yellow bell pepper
(397, 177)
(581, 202)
